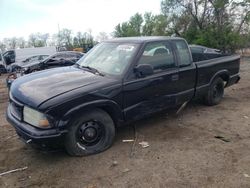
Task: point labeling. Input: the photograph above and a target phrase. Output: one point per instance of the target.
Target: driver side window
(159, 55)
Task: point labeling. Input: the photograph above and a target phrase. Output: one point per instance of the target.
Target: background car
(6, 59)
(59, 59)
(31, 59)
(10, 56)
(2, 69)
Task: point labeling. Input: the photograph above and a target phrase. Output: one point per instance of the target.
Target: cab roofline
(142, 39)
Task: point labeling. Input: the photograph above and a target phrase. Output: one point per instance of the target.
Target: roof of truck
(142, 39)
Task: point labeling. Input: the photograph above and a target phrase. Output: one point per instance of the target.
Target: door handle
(175, 77)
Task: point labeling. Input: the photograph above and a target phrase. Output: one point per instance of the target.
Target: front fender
(108, 105)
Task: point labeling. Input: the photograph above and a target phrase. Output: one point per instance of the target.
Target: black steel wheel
(215, 92)
(90, 133)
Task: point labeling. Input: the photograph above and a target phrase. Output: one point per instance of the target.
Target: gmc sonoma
(118, 81)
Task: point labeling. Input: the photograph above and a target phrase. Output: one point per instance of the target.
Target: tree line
(222, 24)
(64, 38)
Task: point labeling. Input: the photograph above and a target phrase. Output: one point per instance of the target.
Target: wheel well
(112, 113)
(225, 77)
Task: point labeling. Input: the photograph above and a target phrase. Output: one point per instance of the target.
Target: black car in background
(2, 69)
(59, 59)
(35, 58)
(6, 58)
(10, 56)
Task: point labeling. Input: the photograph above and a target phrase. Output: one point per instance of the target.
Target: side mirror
(143, 70)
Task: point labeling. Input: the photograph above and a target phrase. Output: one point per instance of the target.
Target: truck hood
(35, 88)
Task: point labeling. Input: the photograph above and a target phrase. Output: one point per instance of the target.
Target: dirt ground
(182, 152)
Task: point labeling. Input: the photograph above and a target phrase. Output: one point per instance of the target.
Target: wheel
(91, 133)
(215, 92)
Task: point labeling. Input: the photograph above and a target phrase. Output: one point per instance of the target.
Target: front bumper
(35, 136)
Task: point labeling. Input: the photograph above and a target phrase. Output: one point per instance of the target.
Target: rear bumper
(234, 79)
(33, 135)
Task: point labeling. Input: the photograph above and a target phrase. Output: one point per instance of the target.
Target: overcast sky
(22, 17)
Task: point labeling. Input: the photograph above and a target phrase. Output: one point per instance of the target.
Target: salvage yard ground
(183, 150)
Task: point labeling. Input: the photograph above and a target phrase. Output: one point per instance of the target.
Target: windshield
(109, 58)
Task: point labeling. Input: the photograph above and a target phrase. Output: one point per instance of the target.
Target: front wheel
(90, 133)
(215, 92)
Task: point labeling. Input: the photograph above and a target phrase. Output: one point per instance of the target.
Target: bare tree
(2, 46)
(65, 38)
(44, 38)
(13, 42)
(21, 42)
(32, 40)
(102, 36)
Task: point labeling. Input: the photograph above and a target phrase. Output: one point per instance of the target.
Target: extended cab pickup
(118, 81)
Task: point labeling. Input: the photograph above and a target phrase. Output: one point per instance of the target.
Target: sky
(20, 18)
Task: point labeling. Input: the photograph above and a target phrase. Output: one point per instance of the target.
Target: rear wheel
(91, 133)
(215, 92)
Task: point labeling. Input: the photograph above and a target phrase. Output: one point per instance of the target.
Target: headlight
(35, 118)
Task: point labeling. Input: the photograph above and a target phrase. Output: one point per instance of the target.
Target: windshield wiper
(93, 70)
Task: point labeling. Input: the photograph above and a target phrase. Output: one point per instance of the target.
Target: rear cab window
(159, 55)
(196, 49)
(183, 53)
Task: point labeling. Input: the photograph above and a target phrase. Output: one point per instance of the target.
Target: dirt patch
(182, 152)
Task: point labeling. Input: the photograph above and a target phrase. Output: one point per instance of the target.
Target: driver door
(146, 95)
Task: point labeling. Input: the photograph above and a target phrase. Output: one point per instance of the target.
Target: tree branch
(243, 21)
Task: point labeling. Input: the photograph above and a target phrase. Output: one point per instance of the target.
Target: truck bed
(226, 66)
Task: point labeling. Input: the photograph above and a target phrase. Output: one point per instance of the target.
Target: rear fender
(224, 74)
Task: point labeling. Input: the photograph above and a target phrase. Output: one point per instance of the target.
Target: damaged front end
(13, 76)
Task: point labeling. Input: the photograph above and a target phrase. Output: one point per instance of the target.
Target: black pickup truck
(118, 81)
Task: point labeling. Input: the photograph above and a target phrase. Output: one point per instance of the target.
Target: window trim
(177, 54)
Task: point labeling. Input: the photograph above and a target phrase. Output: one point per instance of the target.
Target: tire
(215, 92)
(2, 69)
(91, 133)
